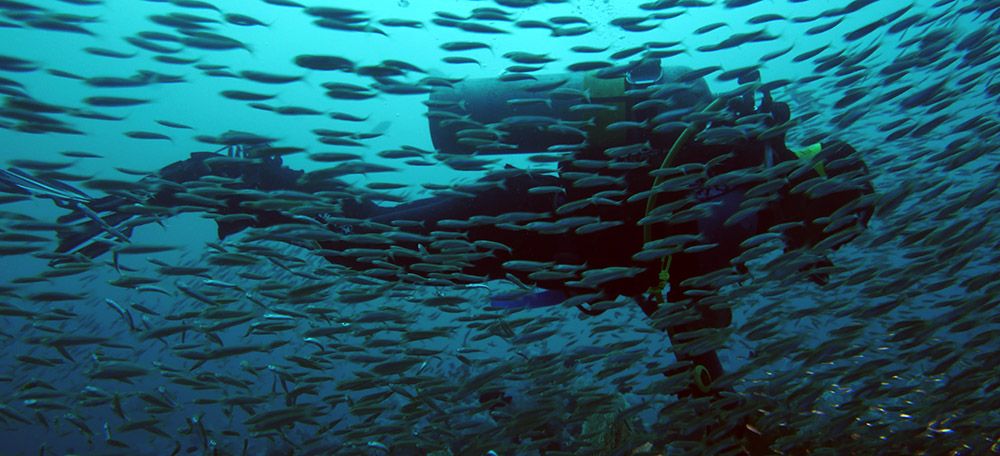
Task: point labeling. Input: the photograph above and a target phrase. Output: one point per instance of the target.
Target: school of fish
(254, 345)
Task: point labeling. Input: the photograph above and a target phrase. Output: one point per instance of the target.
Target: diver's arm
(809, 215)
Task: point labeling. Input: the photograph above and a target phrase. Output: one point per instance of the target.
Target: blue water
(906, 403)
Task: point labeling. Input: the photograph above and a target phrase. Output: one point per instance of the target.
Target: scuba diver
(661, 190)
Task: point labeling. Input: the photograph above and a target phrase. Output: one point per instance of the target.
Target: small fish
(460, 60)
(54, 296)
(55, 25)
(114, 101)
(465, 46)
(588, 66)
(175, 60)
(269, 78)
(213, 42)
(80, 154)
(148, 135)
(288, 3)
(146, 45)
(710, 27)
(138, 249)
(528, 58)
(124, 313)
(589, 49)
(169, 124)
(245, 96)
(392, 22)
(243, 20)
(324, 62)
(528, 24)
(108, 53)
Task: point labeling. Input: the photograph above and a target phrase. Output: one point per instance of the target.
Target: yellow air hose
(647, 230)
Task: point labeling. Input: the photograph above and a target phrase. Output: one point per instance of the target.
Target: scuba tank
(548, 112)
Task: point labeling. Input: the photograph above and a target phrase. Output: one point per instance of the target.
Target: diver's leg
(706, 366)
(426, 210)
(510, 195)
